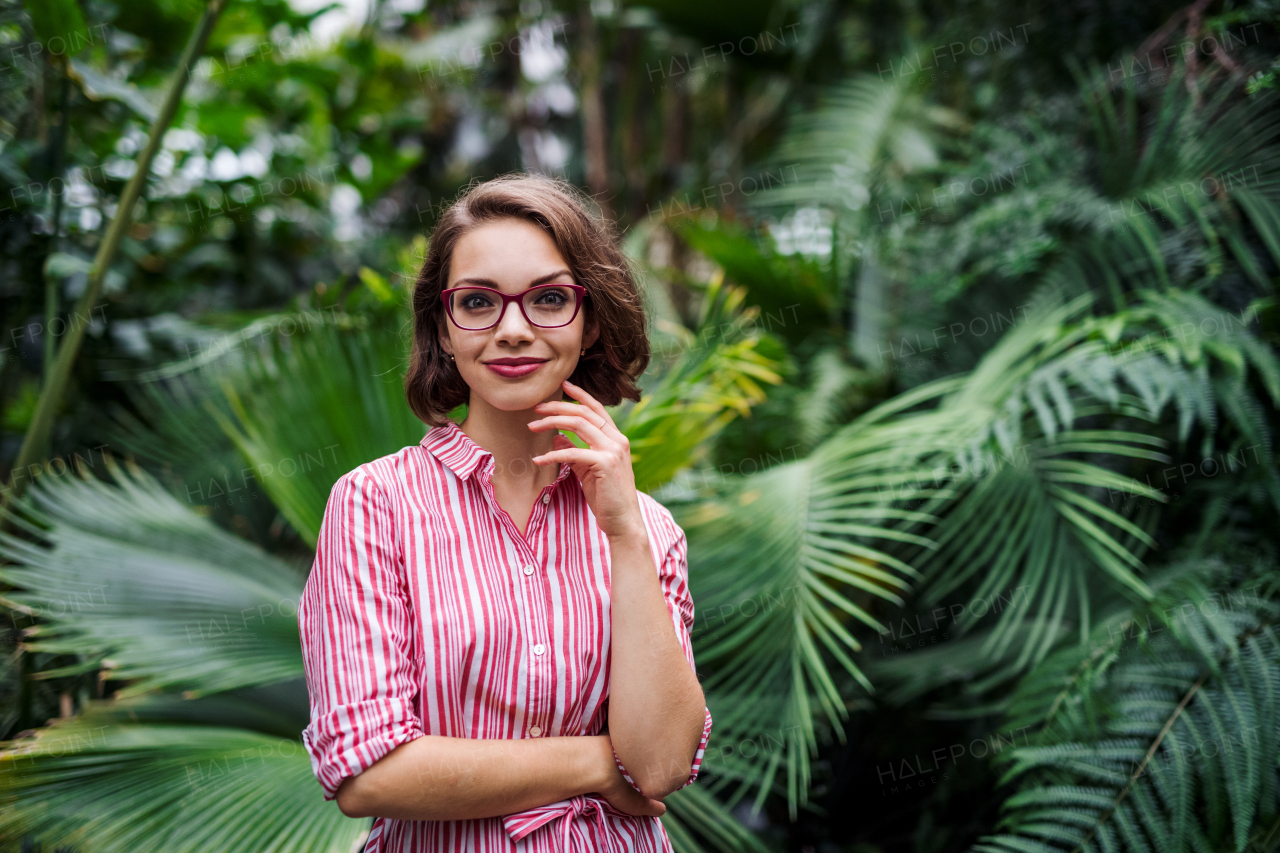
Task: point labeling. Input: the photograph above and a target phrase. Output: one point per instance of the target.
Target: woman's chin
(522, 398)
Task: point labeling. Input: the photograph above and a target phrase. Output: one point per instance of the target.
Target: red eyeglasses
(547, 306)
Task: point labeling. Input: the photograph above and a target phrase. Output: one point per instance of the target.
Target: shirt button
(539, 649)
(535, 731)
(546, 499)
(528, 570)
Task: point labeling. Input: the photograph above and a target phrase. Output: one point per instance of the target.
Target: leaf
(148, 776)
(98, 86)
(128, 573)
(1185, 748)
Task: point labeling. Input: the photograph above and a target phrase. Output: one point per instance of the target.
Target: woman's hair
(611, 366)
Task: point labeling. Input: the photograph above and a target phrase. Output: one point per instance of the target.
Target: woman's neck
(507, 436)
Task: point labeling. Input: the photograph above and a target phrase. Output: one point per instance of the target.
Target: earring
(584, 352)
(451, 358)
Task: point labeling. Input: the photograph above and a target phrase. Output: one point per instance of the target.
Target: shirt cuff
(697, 757)
(350, 739)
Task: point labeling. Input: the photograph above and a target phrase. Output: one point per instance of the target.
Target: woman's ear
(591, 333)
(442, 337)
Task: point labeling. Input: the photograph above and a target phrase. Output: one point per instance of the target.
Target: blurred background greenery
(964, 388)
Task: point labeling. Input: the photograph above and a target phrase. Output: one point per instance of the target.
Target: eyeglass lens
(548, 307)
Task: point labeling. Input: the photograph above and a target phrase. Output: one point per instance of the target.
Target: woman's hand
(603, 468)
(627, 799)
(617, 791)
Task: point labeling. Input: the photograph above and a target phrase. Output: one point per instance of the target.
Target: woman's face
(512, 255)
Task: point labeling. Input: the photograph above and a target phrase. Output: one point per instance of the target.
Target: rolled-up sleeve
(357, 637)
(674, 577)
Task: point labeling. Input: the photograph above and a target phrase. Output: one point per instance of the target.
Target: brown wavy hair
(611, 366)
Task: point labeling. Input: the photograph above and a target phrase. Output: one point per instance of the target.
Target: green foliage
(790, 542)
(1037, 524)
(1163, 736)
(1000, 484)
(1033, 288)
(135, 582)
(202, 627)
(794, 294)
(198, 770)
(306, 415)
(59, 24)
(715, 377)
(695, 810)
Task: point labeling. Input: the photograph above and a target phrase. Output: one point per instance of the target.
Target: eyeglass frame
(517, 298)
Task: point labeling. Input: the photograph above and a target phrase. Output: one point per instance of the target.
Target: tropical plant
(202, 627)
(976, 343)
(1160, 733)
(1006, 477)
(994, 479)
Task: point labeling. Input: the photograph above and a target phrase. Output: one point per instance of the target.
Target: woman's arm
(448, 778)
(657, 713)
(656, 705)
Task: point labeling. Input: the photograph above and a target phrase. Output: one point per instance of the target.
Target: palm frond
(832, 392)
(695, 808)
(866, 131)
(129, 578)
(310, 409)
(153, 774)
(1042, 520)
(1184, 185)
(783, 559)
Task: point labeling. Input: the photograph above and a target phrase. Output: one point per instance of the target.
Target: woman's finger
(585, 429)
(574, 456)
(587, 400)
(572, 409)
(563, 407)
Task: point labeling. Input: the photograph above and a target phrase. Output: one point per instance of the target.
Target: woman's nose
(512, 324)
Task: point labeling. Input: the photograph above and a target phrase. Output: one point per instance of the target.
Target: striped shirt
(427, 612)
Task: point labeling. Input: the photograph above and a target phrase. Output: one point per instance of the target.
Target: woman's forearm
(656, 706)
(447, 778)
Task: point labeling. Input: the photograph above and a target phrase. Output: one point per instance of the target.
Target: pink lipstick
(513, 368)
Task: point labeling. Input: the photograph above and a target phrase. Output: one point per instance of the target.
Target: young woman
(496, 627)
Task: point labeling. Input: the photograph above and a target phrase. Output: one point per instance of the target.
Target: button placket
(542, 675)
(533, 590)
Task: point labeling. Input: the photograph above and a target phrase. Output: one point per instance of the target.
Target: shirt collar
(455, 449)
(463, 456)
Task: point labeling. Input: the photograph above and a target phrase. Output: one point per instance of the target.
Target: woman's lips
(513, 371)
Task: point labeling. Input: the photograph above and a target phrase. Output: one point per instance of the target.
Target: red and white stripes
(427, 612)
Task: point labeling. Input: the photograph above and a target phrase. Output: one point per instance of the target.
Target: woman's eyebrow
(487, 282)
